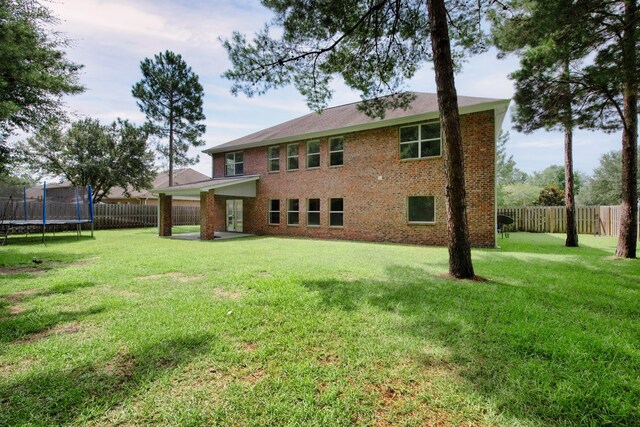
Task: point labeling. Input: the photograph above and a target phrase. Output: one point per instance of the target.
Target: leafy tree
(374, 46)
(34, 71)
(519, 194)
(170, 95)
(89, 153)
(555, 174)
(550, 196)
(605, 187)
(506, 171)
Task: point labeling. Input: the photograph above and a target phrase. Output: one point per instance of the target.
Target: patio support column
(164, 218)
(207, 214)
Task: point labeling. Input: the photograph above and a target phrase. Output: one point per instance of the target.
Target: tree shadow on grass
(538, 356)
(544, 243)
(17, 324)
(86, 392)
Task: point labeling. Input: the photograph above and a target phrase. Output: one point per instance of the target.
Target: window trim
(269, 159)
(419, 141)
(290, 211)
(235, 164)
(318, 212)
(421, 222)
(336, 151)
(297, 156)
(330, 212)
(270, 211)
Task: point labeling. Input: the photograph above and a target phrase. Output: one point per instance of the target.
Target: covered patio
(212, 193)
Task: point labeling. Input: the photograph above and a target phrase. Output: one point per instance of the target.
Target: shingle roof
(180, 176)
(347, 117)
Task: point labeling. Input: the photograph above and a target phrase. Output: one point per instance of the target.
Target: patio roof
(243, 186)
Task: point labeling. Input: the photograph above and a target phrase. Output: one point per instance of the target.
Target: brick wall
(374, 184)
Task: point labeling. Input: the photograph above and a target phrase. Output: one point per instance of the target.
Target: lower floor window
(421, 209)
(313, 212)
(336, 212)
(274, 211)
(293, 212)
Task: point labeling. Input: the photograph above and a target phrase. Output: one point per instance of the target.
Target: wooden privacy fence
(603, 220)
(131, 216)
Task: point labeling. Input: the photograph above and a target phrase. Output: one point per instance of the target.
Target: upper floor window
(336, 151)
(313, 154)
(292, 157)
(420, 141)
(234, 163)
(273, 156)
(421, 209)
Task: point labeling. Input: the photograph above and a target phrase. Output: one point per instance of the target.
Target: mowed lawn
(132, 329)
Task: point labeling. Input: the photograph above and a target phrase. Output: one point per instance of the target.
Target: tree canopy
(89, 153)
(170, 95)
(34, 71)
(604, 187)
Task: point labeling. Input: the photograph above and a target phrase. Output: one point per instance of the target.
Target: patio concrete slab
(218, 235)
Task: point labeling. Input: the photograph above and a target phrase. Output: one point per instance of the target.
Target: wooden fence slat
(604, 220)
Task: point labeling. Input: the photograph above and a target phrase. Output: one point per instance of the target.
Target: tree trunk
(171, 150)
(629, 209)
(569, 199)
(460, 265)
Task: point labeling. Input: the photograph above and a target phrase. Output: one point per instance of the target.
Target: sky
(111, 37)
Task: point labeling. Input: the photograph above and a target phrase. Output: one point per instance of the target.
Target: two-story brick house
(343, 175)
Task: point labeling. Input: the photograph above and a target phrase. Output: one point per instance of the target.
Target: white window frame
(309, 211)
(422, 222)
(272, 211)
(419, 141)
(235, 164)
(336, 151)
(313, 154)
(269, 158)
(291, 211)
(335, 212)
(297, 156)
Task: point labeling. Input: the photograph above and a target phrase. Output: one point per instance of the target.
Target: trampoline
(37, 208)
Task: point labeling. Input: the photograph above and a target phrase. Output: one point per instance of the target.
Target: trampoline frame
(7, 224)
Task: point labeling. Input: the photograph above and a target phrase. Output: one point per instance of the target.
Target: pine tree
(170, 95)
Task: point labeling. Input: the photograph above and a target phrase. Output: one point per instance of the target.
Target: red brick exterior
(374, 184)
(207, 215)
(165, 221)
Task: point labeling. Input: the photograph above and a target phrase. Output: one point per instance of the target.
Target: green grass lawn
(132, 329)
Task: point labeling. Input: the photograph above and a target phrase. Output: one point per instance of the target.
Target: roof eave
(497, 105)
(192, 191)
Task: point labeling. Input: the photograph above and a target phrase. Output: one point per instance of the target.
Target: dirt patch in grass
(250, 347)
(70, 328)
(20, 296)
(252, 378)
(221, 293)
(122, 366)
(329, 360)
(15, 309)
(12, 271)
(181, 277)
(23, 365)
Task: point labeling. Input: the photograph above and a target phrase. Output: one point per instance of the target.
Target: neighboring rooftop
(347, 118)
(180, 177)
